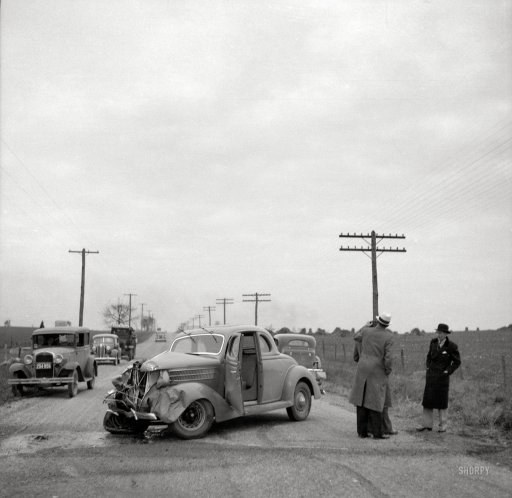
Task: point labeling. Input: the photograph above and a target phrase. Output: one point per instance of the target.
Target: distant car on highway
(60, 356)
(302, 348)
(106, 349)
(160, 336)
(127, 340)
(209, 374)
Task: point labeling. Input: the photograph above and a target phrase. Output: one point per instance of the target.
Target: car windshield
(106, 340)
(198, 344)
(49, 340)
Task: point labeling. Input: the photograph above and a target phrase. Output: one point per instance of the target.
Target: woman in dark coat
(443, 359)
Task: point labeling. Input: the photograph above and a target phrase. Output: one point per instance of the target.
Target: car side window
(264, 345)
(234, 347)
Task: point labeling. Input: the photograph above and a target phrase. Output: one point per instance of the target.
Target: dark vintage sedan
(209, 375)
(106, 349)
(302, 347)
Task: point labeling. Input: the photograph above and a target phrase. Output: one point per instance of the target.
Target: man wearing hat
(443, 359)
(371, 382)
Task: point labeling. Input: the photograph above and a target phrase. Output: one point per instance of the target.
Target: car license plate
(44, 365)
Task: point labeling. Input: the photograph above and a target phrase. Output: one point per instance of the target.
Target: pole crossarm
(369, 249)
(224, 301)
(374, 252)
(256, 300)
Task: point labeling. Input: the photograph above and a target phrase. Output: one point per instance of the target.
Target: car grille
(44, 358)
(101, 350)
(192, 374)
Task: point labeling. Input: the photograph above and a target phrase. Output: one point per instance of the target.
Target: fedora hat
(442, 327)
(384, 319)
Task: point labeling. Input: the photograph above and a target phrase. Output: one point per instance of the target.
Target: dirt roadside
(495, 448)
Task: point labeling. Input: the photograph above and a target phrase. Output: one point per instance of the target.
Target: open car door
(233, 380)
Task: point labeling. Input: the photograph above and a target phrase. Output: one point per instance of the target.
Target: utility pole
(255, 300)
(130, 309)
(224, 301)
(209, 309)
(142, 316)
(82, 286)
(199, 318)
(371, 240)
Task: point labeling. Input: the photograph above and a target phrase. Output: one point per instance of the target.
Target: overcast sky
(210, 149)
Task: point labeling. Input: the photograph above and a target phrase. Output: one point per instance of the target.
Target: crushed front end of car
(145, 395)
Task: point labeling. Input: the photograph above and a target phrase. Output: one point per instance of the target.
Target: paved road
(52, 445)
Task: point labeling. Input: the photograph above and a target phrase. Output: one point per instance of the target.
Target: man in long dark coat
(371, 381)
(443, 359)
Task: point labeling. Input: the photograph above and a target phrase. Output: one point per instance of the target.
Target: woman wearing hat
(443, 359)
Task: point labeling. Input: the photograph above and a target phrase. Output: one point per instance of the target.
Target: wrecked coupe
(209, 375)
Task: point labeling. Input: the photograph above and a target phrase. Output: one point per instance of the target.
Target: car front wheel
(195, 421)
(73, 386)
(18, 389)
(301, 402)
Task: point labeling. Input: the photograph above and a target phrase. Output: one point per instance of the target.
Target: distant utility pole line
(82, 286)
(256, 300)
(224, 301)
(371, 240)
(209, 309)
(130, 309)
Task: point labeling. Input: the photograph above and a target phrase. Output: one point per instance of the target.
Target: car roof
(61, 330)
(104, 335)
(225, 330)
(286, 338)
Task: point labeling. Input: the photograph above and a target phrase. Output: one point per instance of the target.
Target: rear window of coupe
(198, 344)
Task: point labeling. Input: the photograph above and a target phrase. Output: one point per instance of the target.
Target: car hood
(54, 350)
(170, 360)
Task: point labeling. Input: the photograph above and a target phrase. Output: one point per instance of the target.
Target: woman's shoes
(421, 429)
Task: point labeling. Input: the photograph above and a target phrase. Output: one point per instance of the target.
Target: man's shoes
(384, 436)
(391, 433)
(421, 429)
(363, 436)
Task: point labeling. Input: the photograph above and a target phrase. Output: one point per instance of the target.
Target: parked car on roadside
(60, 356)
(105, 348)
(209, 374)
(302, 347)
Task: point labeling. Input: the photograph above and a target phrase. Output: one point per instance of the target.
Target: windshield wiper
(211, 333)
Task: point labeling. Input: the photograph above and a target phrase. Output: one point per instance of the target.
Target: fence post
(504, 368)
(402, 359)
(335, 351)
(323, 347)
(344, 353)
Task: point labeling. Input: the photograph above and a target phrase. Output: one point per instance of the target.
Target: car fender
(70, 367)
(168, 403)
(19, 367)
(296, 374)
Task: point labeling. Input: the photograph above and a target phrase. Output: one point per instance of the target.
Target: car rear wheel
(73, 386)
(119, 424)
(195, 421)
(301, 402)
